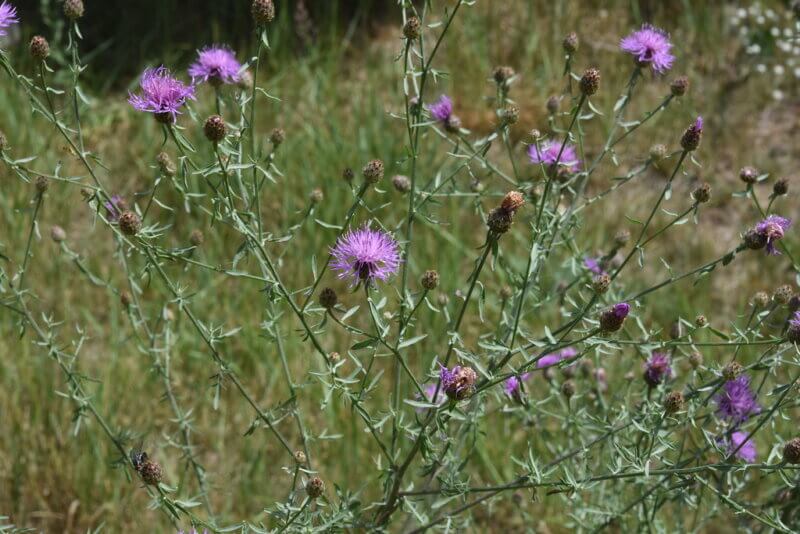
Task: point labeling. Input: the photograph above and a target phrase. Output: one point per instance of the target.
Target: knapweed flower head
(546, 153)
(793, 332)
(772, 229)
(442, 109)
(216, 65)
(657, 369)
(549, 360)
(593, 265)
(691, 137)
(513, 384)
(458, 383)
(8, 17)
(161, 94)
(737, 402)
(365, 255)
(114, 207)
(746, 452)
(611, 320)
(650, 46)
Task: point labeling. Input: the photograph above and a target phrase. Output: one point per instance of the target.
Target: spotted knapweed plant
(428, 365)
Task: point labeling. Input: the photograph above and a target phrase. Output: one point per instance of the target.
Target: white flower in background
(778, 70)
(761, 68)
(777, 94)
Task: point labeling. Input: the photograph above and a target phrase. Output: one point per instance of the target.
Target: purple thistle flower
(114, 207)
(747, 452)
(365, 255)
(657, 369)
(650, 46)
(593, 265)
(217, 65)
(772, 228)
(441, 110)
(736, 402)
(512, 384)
(162, 94)
(459, 382)
(552, 359)
(548, 155)
(8, 17)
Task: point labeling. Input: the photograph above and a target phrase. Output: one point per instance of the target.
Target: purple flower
(772, 228)
(8, 17)
(512, 384)
(552, 359)
(217, 65)
(794, 322)
(114, 207)
(593, 265)
(657, 369)
(365, 255)
(547, 154)
(441, 110)
(650, 46)
(162, 94)
(736, 402)
(746, 452)
(459, 382)
(429, 390)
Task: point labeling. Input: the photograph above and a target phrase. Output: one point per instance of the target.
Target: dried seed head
(348, 175)
(509, 115)
(590, 81)
(328, 298)
(300, 457)
(277, 137)
(702, 193)
(39, 48)
(57, 234)
(781, 187)
(695, 360)
(571, 43)
(412, 28)
(316, 195)
(673, 402)
(430, 280)
(679, 86)
(754, 240)
(503, 74)
(732, 371)
(165, 164)
(196, 238)
(658, 152)
(600, 283)
(215, 129)
(73, 9)
(761, 299)
(459, 383)
(129, 223)
(315, 487)
(700, 321)
(748, 174)
(512, 201)
(506, 292)
(621, 238)
(42, 184)
(791, 451)
(263, 11)
(151, 472)
(568, 388)
(499, 220)
(401, 183)
(552, 104)
(373, 171)
(783, 294)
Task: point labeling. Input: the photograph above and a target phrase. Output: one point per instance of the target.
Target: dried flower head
(373, 171)
(650, 46)
(761, 299)
(679, 86)
(39, 48)
(216, 65)
(657, 369)
(612, 319)
(263, 11)
(695, 360)
(673, 402)
(42, 184)
(732, 371)
(57, 234)
(315, 487)
(348, 175)
(736, 402)
(658, 152)
(412, 28)
(215, 129)
(621, 238)
(129, 223)
(196, 238)
(771, 230)
(601, 283)
(700, 321)
(568, 388)
(512, 201)
(73, 9)
(570, 43)
(590, 81)
(691, 137)
(702, 193)
(277, 137)
(783, 294)
(162, 94)
(316, 196)
(151, 472)
(509, 115)
(328, 298)
(300, 457)
(458, 383)
(365, 255)
(430, 280)
(165, 164)
(502, 75)
(401, 183)
(791, 451)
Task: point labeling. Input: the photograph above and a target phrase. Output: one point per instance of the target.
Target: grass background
(337, 79)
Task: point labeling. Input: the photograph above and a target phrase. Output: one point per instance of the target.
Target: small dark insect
(138, 458)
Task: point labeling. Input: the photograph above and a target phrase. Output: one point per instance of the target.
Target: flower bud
(509, 115)
(781, 187)
(215, 129)
(73, 9)
(348, 175)
(315, 487)
(263, 11)
(679, 86)
(673, 402)
(748, 175)
(691, 137)
(506, 292)
(754, 240)
(300, 457)
(731, 371)
(695, 360)
(512, 201)
(761, 299)
(165, 164)
(658, 152)
(621, 238)
(700, 321)
(783, 294)
(430, 280)
(42, 184)
(373, 171)
(316, 195)
(129, 223)
(552, 105)
(277, 137)
(503, 74)
(590, 81)
(571, 43)
(328, 298)
(57, 234)
(702, 193)
(412, 28)
(499, 220)
(39, 48)
(568, 389)
(600, 283)
(151, 472)
(791, 451)
(442, 299)
(612, 319)
(401, 183)
(452, 124)
(196, 238)
(334, 357)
